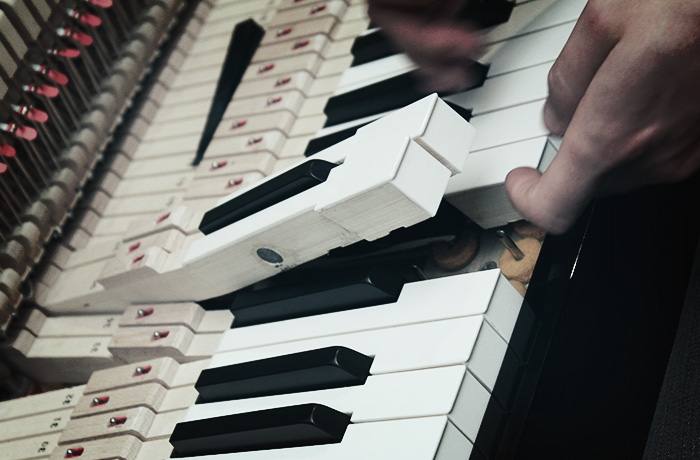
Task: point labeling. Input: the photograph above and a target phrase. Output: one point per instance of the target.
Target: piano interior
(239, 228)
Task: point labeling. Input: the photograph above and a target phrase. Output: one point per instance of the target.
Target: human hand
(625, 94)
(444, 48)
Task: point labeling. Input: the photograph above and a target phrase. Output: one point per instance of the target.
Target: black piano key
(383, 96)
(324, 368)
(275, 190)
(355, 289)
(245, 39)
(293, 426)
(487, 13)
(371, 46)
(321, 143)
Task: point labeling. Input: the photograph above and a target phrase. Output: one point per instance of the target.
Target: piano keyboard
(144, 254)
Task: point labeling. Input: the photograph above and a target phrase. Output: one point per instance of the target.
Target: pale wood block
(79, 326)
(309, 62)
(268, 141)
(166, 147)
(308, 125)
(201, 204)
(350, 29)
(324, 86)
(60, 255)
(134, 344)
(299, 80)
(73, 283)
(180, 163)
(195, 110)
(203, 345)
(134, 206)
(88, 348)
(290, 101)
(202, 75)
(125, 270)
(321, 25)
(110, 227)
(97, 249)
(333, 8)
(34, 425)
(124, 447)
(107, 183)
(162, 370)
(160, 449)
(186, 314)
(40, 403)
(288, 162)
(169, 240)
(216, 321)
(34, 448)
(179, 398)
(145, 186)
(317, 43)
(334, 66)
(249, 124)
(313, 105)
(137, 422)
(219, 186)
(340, 48)
(224, 165)
(182, 96)
(176, 128)
(220, 26)
(180, 218)
(356, 12)
(150, 395)
(295, 146)
(164, 424)
(188, 373)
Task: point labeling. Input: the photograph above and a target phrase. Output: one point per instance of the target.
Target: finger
(588, 46)
(609, 128)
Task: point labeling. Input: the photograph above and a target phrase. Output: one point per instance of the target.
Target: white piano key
(535, 15)
(509, 125)
(507, 90)
(467, 340)
(402, 395)
(486, 292)
(479, 191)
(426, 438)
(529, 50)
(374, 71)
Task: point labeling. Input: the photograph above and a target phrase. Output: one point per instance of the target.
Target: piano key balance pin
(520, 269)
(510, 245)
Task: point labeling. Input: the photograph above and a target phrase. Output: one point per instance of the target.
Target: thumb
(550, 202)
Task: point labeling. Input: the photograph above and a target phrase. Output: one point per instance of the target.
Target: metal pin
(510, 245)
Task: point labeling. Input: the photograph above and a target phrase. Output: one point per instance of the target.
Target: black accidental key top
(292, 426)
(331, 367)
(385, 95)
(487, 13)
(354, 290)
(244, 42)
(294, 181)
(321, 143)
(370, 47)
